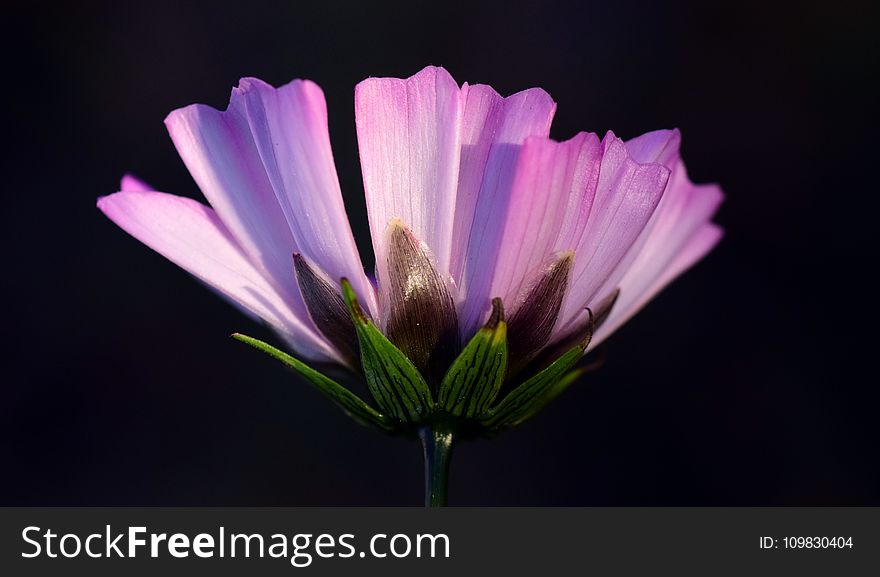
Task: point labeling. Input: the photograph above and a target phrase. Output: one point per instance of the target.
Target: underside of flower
(501, 254)
(467, 397)
(417, 371)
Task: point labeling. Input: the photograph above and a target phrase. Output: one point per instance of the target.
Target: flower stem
(437, 444)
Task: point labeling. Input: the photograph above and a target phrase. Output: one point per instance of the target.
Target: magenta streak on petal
(192, 236)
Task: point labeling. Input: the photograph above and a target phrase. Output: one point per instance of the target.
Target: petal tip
(109, 203)
(131, 183)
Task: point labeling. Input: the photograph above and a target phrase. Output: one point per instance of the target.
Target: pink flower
(468, 199)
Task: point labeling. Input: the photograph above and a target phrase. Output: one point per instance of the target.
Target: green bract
(476, 395)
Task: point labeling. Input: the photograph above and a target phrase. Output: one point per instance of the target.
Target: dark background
(745, 383)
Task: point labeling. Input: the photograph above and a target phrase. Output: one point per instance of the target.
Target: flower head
(501, 254)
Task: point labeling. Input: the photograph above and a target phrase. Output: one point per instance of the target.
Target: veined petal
(627, 193)
(289, 128)
(409, 140)
(131, 183)
(639, 293)
(493, 130)
(679, 231)
(219, 151)
(442, 159)
(657, 146)
(192, 236)
(548, 207)
(682, 210)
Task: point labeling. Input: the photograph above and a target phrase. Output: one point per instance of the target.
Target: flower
(501, 254)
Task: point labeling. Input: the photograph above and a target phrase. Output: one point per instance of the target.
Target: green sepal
(472, 382)
(534, 394)
(353, 405)
(395, 383)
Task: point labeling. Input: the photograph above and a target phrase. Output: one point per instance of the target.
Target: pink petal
(219, 151)
(549, 204)
(662, 147)
(659, 146)
(492, 132)
(635, 295)
(408, 135)
(627, 193)
(289, 128)
(685, 207)
(442, 160)
(192, 236)
(679, 234)
(131, 183)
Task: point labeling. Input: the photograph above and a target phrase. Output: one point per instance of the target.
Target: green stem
(437, 444)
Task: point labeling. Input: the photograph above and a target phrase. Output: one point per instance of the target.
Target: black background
(745, 383)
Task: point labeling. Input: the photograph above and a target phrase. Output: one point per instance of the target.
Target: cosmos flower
(502, 255)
